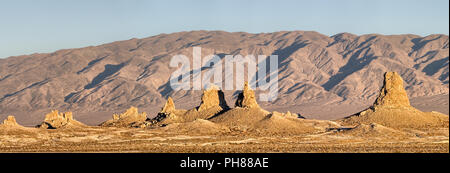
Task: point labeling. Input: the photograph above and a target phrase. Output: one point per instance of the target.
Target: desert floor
(97, 139)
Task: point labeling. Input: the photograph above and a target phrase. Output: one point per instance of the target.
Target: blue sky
(41, 26)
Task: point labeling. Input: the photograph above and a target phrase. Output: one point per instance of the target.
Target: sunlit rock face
(247, 99)
(392, 109)
(212, 97)
(55, 120)
(130, 118)
(10, 121)
(393, 94)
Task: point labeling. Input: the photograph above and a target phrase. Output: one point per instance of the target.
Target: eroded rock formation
(212, 97)
(247, 99)
(10, 121)
(169, 106)
(287, 114)
(130, 118)
(392, 94)
(392, 109)
(55, 120)
(11, 127)
(213, 102)
(167, 114)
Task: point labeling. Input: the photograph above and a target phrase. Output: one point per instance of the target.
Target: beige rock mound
(288, 124)
(12, 129)
(213, 102)
(10, 121)
(212, 98)
(375, 130)
(10, 124)
(247, 99)
(287, 114)
(240, 118)
(259, 121)
(56, 120)
(392, 109)
(199, 126)
(130, 118)
(247, 116)
(168, 114)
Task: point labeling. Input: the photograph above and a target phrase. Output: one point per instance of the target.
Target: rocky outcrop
(167, 114)
(392, 109)
(213, 102)
(13, 130)
(56, 120)
(10, 121)
(212, 97)
(169, 106)
(247, 99)
(392, 93)
(130, 118)
(287, 114)
(374, 130)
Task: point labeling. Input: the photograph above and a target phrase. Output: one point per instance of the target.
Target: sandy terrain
(95, 139)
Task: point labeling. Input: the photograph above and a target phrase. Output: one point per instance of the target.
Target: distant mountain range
(313, 68)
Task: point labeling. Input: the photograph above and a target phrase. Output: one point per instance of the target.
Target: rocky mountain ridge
(313, 68)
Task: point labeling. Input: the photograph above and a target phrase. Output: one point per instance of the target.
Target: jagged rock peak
(10, 121)
(56, 120)
(212, 97)
(130, 118)
(132, 112)
(247, 98)
(169, 106)
(67, 116)
(392, 94)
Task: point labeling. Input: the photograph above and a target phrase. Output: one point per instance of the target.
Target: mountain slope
(313, 68)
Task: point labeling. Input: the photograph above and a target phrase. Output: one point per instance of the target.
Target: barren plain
(391, 124)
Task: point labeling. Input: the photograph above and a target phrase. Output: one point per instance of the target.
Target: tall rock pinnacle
(392, 93)
(212, 97)
(392, 109)
(247, 99)
(169, 106)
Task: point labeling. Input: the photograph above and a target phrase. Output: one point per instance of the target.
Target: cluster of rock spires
(53, 120)
(212, 103)
(391, 109)
(214, 113)
(56, 120)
